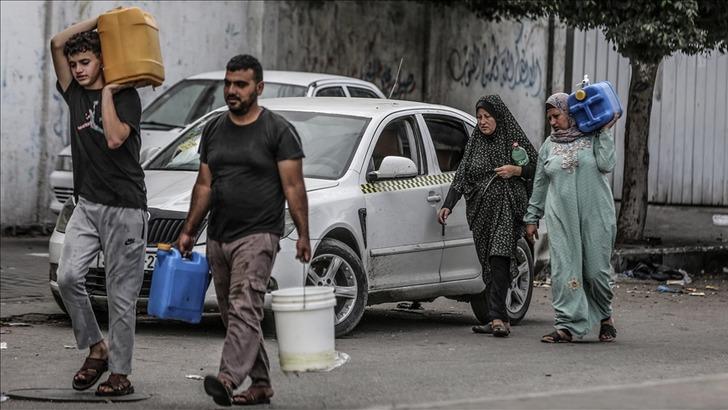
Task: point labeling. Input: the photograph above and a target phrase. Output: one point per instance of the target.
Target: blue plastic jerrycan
(593, 106)
(178, 285)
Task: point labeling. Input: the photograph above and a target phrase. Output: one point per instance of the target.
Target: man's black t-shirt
(102, 175)
(247, 195)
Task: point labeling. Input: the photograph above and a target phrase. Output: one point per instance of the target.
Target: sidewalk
(682, 237)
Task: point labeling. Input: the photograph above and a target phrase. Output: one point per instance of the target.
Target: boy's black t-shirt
(247, 195)
(102, 175)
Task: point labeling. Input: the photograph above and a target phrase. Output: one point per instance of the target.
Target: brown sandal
(254, 395)
(91, 371)
(220, 391)
(118, 384)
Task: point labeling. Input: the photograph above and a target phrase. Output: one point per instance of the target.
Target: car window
(272, 90)
(398, 138)
(331, 92)
(174, 107)
(218, 96)
(359, 92)
(329, 143)
(449, 137)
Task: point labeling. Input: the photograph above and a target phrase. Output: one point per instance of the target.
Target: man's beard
(244, 106)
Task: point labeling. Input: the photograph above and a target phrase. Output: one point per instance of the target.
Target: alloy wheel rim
(518, 290)
(333, 271)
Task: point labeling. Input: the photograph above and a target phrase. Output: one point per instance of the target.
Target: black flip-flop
(221, 394)
(501, 330)
(485, 329)
(607, 333)
(555, 337)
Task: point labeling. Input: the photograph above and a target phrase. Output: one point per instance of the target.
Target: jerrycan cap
(164, 247)
(580, 95)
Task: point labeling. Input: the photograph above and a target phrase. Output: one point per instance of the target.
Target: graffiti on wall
(490, 62)
(385, 77)
(381, 74)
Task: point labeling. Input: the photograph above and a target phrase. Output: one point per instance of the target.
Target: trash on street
(3, 345)
(541, 284)
(194, 377)
(667, 289)
(697, 293)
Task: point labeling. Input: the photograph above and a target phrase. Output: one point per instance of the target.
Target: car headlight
(65, 214)
(288, 225)
(64, 163)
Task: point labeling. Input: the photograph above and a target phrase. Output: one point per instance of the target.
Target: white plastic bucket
(305, 328)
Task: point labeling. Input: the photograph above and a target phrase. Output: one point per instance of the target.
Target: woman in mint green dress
(572, 193)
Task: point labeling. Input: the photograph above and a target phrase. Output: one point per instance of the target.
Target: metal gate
(688, 126)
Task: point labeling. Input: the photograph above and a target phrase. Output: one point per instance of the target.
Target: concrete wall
(359, 39)
(35, 118)
(450, 57)
(471, 58)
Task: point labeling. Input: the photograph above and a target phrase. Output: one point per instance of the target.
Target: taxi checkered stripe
(402, 184)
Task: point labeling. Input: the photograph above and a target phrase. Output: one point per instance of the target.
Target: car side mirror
(394, 167)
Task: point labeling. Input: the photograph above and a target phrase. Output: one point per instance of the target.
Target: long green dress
(572, 192)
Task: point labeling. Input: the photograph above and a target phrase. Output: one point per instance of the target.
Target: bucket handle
(305, 276)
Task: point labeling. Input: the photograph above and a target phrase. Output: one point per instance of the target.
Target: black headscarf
(491, 151)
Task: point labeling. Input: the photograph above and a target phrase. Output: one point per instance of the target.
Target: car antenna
(396, 78)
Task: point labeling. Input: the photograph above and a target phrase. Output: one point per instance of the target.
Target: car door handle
(434, 198)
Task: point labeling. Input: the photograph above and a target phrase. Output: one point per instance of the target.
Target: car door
(403, 236)
(449, 136)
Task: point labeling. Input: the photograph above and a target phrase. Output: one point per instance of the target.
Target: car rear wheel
(336, 264)
(519, 293)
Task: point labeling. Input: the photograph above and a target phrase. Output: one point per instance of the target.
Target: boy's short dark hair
(82, 42)
(246, 62)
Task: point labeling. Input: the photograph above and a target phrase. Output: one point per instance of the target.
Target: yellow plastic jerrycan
(130, 47)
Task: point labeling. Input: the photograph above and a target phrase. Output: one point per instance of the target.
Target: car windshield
(273, 90)
(329, 142)
(174, 108)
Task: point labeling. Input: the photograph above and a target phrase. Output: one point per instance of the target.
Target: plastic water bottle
(519, 155)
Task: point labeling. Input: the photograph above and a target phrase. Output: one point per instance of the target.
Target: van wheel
(335, 264)
(519, 293)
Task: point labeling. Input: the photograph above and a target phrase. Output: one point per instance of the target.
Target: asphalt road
(671, 353)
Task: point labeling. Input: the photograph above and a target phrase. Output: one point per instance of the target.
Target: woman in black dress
(494, 177)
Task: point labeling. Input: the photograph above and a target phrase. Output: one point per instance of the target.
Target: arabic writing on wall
(489, 62)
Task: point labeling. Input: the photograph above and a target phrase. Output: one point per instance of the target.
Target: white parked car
(377, 172)
(195, 96)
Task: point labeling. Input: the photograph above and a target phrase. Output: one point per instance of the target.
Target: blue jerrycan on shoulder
(594, 105)
(178, 285)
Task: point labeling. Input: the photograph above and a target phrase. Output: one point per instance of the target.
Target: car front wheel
(335, 264)
(519, 293)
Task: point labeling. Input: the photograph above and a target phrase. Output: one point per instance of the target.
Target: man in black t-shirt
(110, 214)
(250, 164)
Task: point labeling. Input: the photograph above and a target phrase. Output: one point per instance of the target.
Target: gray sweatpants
(122, 234)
